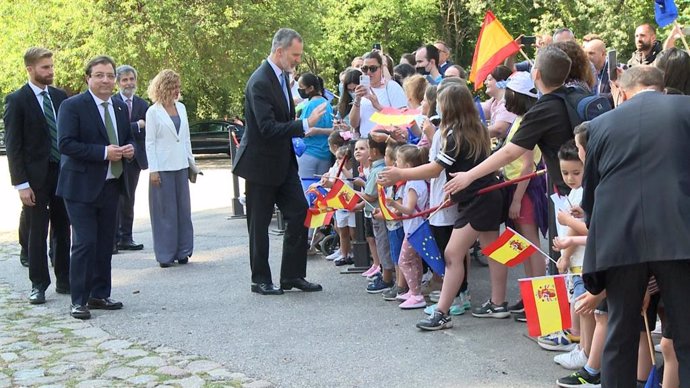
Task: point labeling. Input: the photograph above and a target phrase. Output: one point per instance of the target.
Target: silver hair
(283, 39)
(125, 69)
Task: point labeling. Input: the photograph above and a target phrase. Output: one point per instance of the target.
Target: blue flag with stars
(665, 12)
(425, 244)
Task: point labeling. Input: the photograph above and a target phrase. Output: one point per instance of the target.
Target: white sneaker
(573, 360)
(335, 255)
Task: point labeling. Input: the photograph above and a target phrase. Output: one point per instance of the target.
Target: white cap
(521, 82)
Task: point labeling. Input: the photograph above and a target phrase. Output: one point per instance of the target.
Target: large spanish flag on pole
(494, 45)
(546, 304)
(510, 248)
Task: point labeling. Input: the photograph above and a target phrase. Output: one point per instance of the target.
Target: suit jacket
(637, 183)
(167, 150)
(27, 135)
(82, 139)
(265, 154)
(139, 107)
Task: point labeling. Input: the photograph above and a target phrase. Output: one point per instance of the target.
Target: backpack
(583, 105)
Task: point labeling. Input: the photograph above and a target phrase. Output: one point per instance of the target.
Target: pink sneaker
(403, 297)
(413, 302)
(371, 271)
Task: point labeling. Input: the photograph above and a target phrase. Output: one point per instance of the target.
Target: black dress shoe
(300, 284)
(183, 260)
(103, 304)
(80, 312)
(24, 259)
(343, 261)
(37, 296)
(266, 289)
(62, 288)
(129, 246)
(165, 265)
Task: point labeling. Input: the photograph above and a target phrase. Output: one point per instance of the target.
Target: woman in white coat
(169, 150)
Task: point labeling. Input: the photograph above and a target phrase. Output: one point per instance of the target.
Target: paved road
(341, 337)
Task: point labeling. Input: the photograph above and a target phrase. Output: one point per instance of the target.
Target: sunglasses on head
(370, 69)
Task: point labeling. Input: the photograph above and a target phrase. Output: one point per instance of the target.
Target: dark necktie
(52, 127)
(115, 167)
(129, 108)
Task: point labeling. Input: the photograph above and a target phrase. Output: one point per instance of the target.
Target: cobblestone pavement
(41, 348)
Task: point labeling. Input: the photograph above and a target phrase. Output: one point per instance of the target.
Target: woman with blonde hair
(169, 150)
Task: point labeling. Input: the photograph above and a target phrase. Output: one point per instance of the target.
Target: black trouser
(261, 200)
(49, 208)
(92, 248)
(24, 233)
(442, 236)
(625, 288)
(125, 213)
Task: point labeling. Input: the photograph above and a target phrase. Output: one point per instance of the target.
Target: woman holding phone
(373, 94)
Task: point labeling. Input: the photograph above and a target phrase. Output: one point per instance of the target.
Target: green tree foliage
(216, 44)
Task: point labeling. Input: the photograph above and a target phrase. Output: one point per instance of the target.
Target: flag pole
(510, 182)
(682, 36)
(535, 246)
(526, 57)
(649, 339)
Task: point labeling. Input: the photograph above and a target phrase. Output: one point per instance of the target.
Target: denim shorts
(577, 287)
(395, 239)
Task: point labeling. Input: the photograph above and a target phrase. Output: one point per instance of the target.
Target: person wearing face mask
(316, 159)
(426, 58)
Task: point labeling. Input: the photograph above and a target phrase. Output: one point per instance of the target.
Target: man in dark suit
(637, 198)
(33, 158)
(94, 137)
(126, 77)
(267, 161)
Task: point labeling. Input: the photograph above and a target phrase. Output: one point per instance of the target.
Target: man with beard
(267, 141)
(126, 78)
(647, 46)
(427, 63)
(34, 159)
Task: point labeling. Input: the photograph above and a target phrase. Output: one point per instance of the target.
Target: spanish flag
(511, 248)
(341, 196)
(385, 211)
(316, 218)
(546, 304)
(494, 45)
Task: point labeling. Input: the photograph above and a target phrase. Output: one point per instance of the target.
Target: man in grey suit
(637, 199)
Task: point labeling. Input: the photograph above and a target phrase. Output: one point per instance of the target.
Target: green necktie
(52, 127)
(115, 167)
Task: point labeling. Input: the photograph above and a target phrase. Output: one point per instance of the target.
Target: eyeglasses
(369, 69)
(99, 76)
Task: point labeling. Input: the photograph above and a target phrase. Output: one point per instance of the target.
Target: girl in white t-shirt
(415, 199)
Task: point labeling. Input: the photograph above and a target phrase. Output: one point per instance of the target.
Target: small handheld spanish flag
(511, 248)
(546, 304)
(385, 211)
(317, 218)
(341, 196)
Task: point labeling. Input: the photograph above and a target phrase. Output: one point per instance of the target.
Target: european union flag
(425, 244)
(653, 379)
(665, 12)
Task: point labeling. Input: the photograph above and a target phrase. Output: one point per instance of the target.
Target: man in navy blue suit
(126, 77)
(94, 138)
